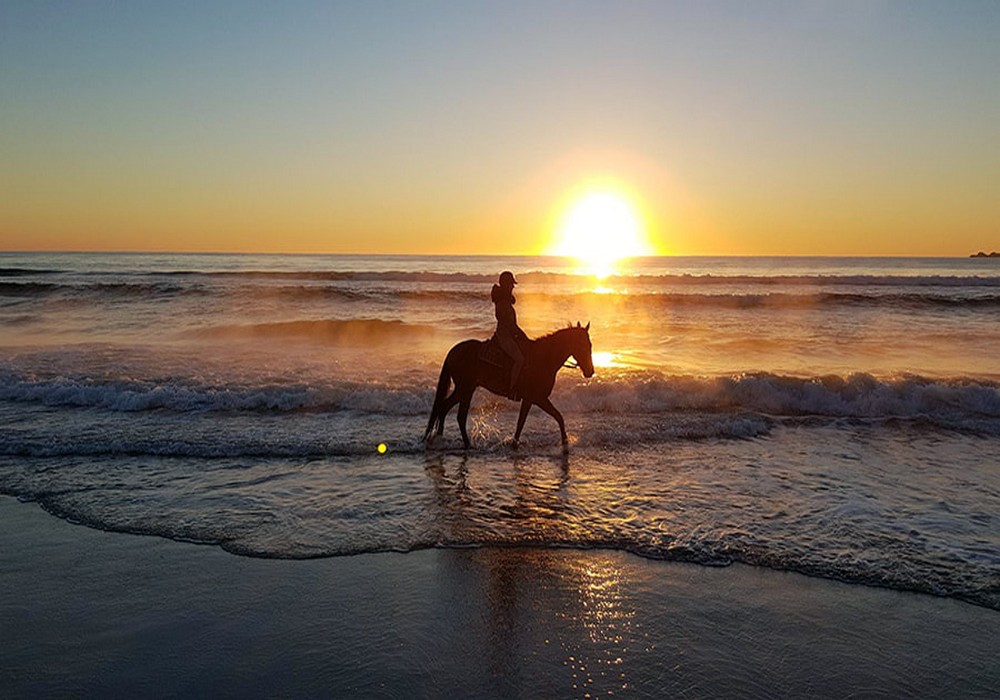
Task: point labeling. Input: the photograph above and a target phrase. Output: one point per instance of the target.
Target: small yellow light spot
(382, 447)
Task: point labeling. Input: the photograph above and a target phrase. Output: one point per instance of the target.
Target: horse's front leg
(547, 406)
(521, 417)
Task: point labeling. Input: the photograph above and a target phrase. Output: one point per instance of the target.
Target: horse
(543, 357)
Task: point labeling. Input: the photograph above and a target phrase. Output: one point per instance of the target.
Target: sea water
(839, 417)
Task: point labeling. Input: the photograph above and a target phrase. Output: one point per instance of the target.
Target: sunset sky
(833, 128)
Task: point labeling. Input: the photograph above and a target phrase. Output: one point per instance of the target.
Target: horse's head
(580, 349)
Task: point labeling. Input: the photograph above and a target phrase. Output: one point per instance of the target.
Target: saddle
(492, 354)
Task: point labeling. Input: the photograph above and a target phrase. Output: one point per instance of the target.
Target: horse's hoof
(514, 445)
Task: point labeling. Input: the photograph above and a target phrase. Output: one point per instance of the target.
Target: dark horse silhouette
(465, 366)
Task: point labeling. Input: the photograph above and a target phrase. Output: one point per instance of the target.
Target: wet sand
(85, 613)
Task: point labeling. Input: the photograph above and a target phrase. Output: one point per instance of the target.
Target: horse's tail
(444, 383)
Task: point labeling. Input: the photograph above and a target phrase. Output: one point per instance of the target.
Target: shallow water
(836, 417)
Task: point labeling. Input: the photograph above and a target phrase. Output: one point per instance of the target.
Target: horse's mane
(557, 331)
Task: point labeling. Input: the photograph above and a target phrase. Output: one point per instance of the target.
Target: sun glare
(599, 229)
(604, 359)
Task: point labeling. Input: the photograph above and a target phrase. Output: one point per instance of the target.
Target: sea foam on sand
(87, 613)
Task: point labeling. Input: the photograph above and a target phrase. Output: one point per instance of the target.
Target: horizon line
(481, 255)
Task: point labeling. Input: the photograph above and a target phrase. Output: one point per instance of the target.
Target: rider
(508, 333)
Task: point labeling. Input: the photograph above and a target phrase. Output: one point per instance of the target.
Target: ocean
(836, 417)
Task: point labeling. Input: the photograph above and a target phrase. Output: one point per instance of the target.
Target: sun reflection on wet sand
(589, 593)
(572, 611)
(606, 614)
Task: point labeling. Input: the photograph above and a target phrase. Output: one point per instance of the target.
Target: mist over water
(838, 417)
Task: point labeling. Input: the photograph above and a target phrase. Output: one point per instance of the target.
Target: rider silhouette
(508, 333)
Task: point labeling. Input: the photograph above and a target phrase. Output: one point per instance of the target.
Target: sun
(600, 228)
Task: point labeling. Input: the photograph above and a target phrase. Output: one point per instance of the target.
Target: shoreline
(91, 612)
(528, 546)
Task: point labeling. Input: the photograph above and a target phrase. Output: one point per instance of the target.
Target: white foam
(957, 403)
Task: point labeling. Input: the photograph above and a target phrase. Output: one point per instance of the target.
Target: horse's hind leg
(435, 418)
(547, 406)
(463, 413)
(449, 403)
(435, 425)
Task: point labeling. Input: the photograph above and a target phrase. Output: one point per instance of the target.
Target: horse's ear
(588, 327)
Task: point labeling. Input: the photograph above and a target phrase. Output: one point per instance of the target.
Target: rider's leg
(509, 346)
(515, 371)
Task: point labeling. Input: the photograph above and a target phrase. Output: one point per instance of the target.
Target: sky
(859, 127)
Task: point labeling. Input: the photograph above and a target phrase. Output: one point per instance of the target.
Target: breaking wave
(616, 280)
(26, 272)
(130, 396)
(853, 396)
(957, 404)
(971, 294)
(101, 290)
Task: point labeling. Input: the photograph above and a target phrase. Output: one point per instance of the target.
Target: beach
(86, 613)
(780, 480)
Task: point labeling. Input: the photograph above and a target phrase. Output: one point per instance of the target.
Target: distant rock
(981, 254)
